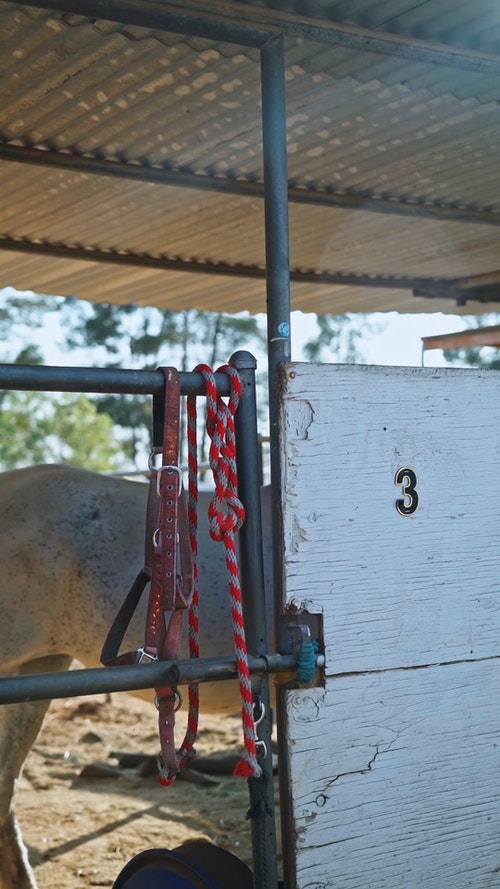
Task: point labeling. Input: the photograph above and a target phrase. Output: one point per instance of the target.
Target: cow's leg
(19, 727)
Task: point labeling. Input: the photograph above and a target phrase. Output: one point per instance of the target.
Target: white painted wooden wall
(394, 766)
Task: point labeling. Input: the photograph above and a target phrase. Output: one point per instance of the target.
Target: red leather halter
(167, 566)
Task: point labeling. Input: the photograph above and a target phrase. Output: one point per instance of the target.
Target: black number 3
(407, 479)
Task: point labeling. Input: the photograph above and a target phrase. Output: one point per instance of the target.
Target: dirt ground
(81, 830)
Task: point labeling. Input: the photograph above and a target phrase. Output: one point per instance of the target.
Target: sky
(397, 342)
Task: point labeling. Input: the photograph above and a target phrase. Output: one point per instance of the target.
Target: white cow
(71, 543)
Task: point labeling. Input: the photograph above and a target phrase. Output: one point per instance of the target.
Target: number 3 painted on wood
(407, 479)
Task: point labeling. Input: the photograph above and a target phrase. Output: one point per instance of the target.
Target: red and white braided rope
(226, 515)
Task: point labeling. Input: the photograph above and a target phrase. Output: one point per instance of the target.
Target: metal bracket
(294, 627)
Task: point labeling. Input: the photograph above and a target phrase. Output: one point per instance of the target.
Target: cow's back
(71, 544)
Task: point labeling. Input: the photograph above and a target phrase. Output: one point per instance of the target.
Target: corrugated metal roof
(417, 137)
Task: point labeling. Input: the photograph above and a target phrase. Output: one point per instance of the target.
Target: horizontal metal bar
(251, 25)
(100, 680)
(164, 17)
(299, 276)
(244, 188)
(353, 36)
(137, 172)
(487, 279)
(490, 294)
(369, 204)
(128, 258)
(101, 380)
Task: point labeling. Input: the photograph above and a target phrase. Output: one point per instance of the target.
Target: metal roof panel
(360, 125)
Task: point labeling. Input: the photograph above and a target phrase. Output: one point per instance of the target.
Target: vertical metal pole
(254, 606)
(277, 268)
(272, 61)
(276, 201)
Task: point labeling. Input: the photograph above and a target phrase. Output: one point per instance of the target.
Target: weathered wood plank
(394, 779)
(392, 769)
(395, 590)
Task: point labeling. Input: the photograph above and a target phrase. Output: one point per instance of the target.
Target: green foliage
(148, 337)
(29, 354)
(485, 358)
(46, 428)
(23, 430)
(135, 337)
(26, 310)
(339, 338)
(39, 427)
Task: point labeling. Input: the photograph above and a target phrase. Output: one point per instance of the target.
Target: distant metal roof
(473, 338)
(131, 167)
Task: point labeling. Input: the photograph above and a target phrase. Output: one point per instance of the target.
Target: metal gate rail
(105, 380)
(45, 686)
(126, 678)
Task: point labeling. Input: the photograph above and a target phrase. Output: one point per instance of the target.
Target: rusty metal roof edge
(255, 26)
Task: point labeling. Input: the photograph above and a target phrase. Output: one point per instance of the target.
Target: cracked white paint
(394, 766)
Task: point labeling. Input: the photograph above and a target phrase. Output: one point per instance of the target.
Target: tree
(136, 337)
(133, 337)
(23, 310)
(339, 338)
(37, 427)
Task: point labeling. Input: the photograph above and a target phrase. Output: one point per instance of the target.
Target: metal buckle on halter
(177, 699)
(144, 657)
(169, 467)
(259, 712)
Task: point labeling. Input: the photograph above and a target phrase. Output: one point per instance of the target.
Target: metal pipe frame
(101, 380)
(21, 689)
(272, 65)
(356, 37)
(101, 680)
(261, 789)
(278, 300)
(254, 27)
(163, 17)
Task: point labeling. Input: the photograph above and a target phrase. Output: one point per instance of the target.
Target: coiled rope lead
(226, 515)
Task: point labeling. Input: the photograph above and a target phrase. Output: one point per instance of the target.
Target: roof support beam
(461, 296)
(254, 26)
(488, 279)
(431, 287)
(162, 17)
(137, 172)
(356, 37)
(475, 288)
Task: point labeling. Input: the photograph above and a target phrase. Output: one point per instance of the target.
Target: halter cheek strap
(167, 567)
